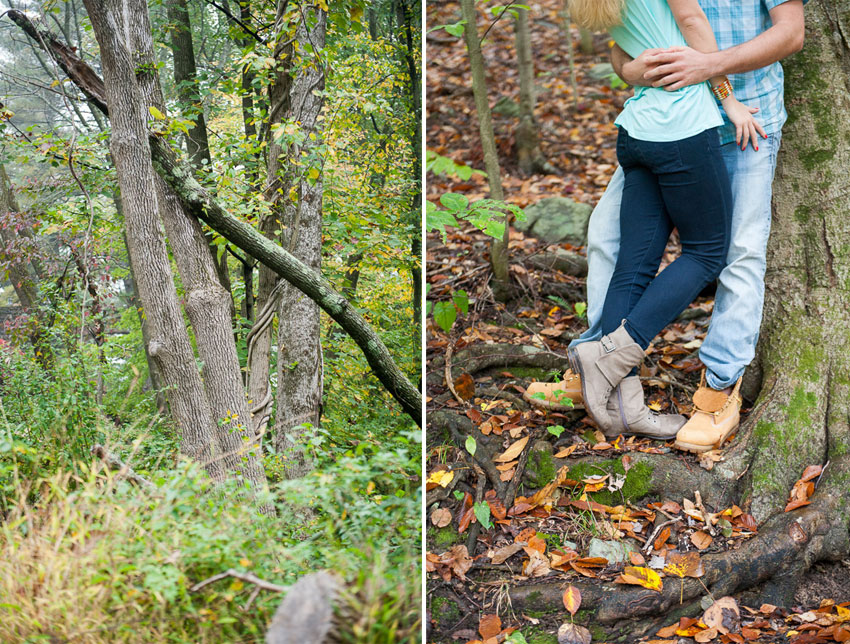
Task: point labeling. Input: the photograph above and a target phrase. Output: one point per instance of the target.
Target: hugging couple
(697, 151)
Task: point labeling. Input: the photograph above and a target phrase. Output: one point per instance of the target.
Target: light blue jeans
(733, 333)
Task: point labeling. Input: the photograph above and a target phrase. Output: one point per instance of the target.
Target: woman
(668, 147)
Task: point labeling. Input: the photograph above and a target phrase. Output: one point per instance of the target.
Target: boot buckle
(607, 344)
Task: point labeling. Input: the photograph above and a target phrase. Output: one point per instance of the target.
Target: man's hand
(677, 67)
(632, 70)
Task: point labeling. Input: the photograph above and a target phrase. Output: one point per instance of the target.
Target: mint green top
(654, 114)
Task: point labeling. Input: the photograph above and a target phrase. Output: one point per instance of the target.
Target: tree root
(480, 357)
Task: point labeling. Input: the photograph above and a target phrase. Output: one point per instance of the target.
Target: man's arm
(674, 68)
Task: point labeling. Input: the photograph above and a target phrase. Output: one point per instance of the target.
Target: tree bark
(299, 361)
(529, 156)
(169, 345)
(207, 302)
(499, 247)
(202, 205)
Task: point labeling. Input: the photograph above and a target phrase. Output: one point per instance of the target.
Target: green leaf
(471, 445)
(461, 301)
(445, 315)
(454, 202)
(456, 29)
(557, 430)
(458, 495)
(581, 309)
(438, 219)
(516, 638)
(482, 513)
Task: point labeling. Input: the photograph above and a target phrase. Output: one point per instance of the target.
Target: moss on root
(445, 537)
(444, 612)
(636, 486)
(540, 469)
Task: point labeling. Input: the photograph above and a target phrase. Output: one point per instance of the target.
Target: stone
(613, 551)
(557, 220)
(306, 613)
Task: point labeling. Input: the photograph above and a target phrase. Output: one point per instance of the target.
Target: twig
(510, 492)
(698, 502)
(449, 380)
(475, 528)
(244, 576)
(651, 540)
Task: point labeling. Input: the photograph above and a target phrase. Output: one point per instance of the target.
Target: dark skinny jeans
(681, 184)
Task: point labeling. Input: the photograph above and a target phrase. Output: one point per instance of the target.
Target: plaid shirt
(735, 22)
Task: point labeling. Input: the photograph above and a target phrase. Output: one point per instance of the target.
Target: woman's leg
(698, 199)
(644, 230)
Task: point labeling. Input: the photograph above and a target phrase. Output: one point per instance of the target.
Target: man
(753, 35)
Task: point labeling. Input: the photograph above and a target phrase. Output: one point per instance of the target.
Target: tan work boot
(557, 394)
(716, 415)
(601, 366)
(631, 417)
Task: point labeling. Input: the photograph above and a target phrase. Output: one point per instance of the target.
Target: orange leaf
(465, 386)
(572, 599)
(683, 565)
(639, 576)
(489, 626)
(513, 451)
(701, 540)
(662, 538)
(636, 558)
(811, 472)
(564, 453)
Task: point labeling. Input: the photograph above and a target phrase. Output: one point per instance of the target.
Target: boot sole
(699, 449)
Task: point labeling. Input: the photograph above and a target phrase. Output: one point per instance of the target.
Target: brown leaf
(724, 615)
(537, 564)
(572, 599)
(464, 385)
(811, 472)
(564, 453)
(503, 554)
(573, 634)
(474, 415)
(687, 564)
(583, 570)
(513, 451)
(636, 558)
(441, 517)
(706, 636)
(748, 522)
(497, 508)
(701, 540)
(489, 626)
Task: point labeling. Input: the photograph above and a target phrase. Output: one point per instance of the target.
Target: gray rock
(601, 70)
(557, 220)
(613, 551)
(306, 613)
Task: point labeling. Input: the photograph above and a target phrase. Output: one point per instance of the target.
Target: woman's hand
(746, 126)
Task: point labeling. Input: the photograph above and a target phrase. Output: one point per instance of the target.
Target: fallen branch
(124, 470)
(180, 176)
(244, 576)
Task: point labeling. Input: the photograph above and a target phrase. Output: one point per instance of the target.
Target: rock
(613, 551)
(557, 220)
(306, 613)
(601, 70)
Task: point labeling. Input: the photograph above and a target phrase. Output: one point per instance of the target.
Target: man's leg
(730, 343)
(603, 244)
(732, 335)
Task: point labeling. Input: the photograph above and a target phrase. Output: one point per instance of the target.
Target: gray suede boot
(631, 417)
(602, 365)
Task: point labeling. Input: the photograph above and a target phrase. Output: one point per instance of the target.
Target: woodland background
(535, 522)
(172, 409)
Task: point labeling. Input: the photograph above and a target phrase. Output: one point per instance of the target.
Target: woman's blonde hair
(597, 15)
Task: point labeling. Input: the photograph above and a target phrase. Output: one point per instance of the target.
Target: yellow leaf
(313, 173)
(640, 576)
(441, 477)
(370, 487)
(159, 116)
(237, 585)
(244, 562)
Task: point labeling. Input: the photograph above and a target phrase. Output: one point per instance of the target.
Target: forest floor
(539, 495)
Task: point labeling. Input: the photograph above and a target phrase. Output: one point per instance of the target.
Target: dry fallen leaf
(687, 564)
(513, 451)
(573, 634)
(572, 599)
(640, 576)
(707, 635)
(503, 554)
(441, 517)
(439, 478)
(564, 453)
(465, 386)
(701, 540)
(489, 626)
(724, 615)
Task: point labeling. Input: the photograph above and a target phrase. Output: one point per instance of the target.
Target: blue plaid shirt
(735, 22)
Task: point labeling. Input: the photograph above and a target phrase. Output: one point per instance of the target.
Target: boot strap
(715, 402)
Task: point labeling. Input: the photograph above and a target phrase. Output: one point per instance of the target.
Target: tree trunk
(299, 361)
(586, 41)
(207, 301)
(499, 247)
(529, 156)
(169, 345)
(202, 205)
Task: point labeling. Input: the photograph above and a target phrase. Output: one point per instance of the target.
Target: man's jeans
(730, 343)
